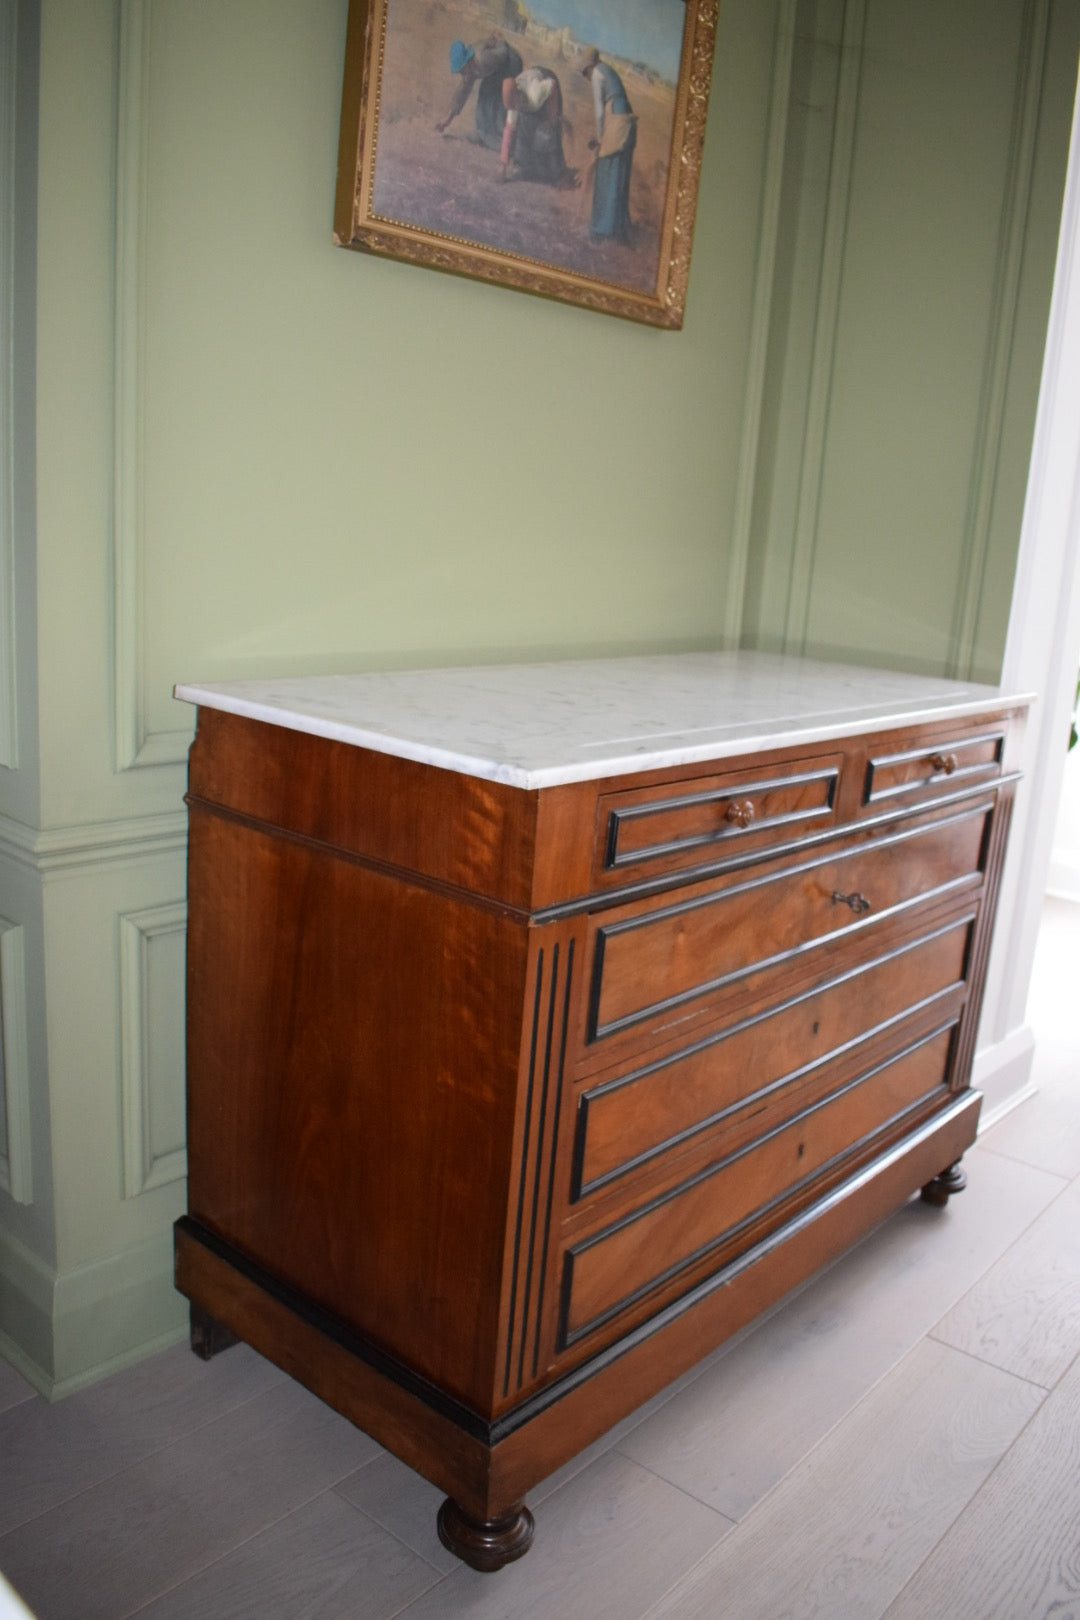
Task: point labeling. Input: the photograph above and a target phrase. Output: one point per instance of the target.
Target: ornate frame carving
(649, 280)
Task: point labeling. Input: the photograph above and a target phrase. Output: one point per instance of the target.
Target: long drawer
(653, 961)
(656, 1247)
(752, 1074)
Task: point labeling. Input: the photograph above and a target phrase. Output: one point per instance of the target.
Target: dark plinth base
(208, 1337)
(485, 1544)
(940, 1190)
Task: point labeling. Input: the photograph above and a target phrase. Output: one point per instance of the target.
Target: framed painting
(549, 145)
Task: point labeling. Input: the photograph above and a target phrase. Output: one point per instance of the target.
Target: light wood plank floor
(901, 1439)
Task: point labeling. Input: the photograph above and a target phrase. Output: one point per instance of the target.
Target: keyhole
(817, 1025)
(802, 1149)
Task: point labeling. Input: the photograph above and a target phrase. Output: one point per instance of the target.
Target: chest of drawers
(508, 1100)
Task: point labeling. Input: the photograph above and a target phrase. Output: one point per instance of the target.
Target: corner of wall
(64, 1331)
(26, 1311)
(113, 1312)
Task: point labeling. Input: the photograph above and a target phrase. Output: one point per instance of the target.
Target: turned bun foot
(940, 1190)
(485, 1544)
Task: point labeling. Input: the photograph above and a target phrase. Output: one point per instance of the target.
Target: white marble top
(535, 725)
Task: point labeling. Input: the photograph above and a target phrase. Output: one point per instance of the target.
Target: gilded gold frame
(659, 301)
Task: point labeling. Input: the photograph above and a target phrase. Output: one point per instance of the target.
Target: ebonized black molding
(470, 1422)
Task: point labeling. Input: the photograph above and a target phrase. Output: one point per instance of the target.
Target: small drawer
(953, 763)
(680, 824)
(753, 1076)
(651, 961)
(610, 1272)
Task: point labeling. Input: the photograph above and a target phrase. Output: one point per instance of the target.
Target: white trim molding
(59, 849)
(1044, 630)
(64, 1330)
(823, 361)
(8, 728)
(1002, 1073)
(15, 1161)
(1000, 339)
(144, 1166)
(760, 319)
(136, 744)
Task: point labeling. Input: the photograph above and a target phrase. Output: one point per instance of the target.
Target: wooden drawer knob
(740, 812)
(943, 762)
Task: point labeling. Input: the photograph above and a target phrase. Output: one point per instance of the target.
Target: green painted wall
(912, 284)
(256, 453)
(343, 461)
(435, 469)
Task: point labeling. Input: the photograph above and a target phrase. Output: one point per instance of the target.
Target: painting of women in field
(542, 131)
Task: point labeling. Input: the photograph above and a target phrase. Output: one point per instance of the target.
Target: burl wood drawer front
(650, 961)
(676, 825)
(956, 762)
(753, 1075)
(610, 1272)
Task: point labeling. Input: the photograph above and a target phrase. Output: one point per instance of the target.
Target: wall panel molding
(65, 1330)
(152, 1158)
(760, 318)
(136, 745)
(15, 1158)
(1001, 332)
(68, 848)
(8, 728)
(826, 326)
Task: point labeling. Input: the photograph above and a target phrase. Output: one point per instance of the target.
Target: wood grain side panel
(353, 1056)
(454, 829)
(611, 1271)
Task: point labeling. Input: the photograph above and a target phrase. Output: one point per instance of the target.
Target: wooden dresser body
(507, 1106)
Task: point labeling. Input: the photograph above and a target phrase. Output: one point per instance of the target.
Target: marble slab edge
(686, 747)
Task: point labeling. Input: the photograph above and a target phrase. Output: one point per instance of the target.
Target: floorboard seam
(986, 1361)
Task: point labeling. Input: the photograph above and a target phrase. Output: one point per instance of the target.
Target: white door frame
(1040, 658)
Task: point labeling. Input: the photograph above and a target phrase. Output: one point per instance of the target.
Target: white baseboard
(1002, 1072)
(26, 1306)
(65, 1330)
